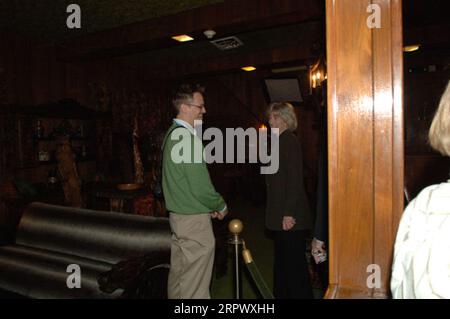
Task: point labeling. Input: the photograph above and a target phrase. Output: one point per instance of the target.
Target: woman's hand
(288, 222)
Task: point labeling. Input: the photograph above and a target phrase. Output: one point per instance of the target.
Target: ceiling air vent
(227, 43)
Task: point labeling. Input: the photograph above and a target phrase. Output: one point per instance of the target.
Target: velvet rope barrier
(235, 226)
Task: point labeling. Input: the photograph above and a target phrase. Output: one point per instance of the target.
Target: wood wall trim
(365, 131)
(398, 116)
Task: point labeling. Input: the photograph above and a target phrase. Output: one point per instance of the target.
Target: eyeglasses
(196, 105)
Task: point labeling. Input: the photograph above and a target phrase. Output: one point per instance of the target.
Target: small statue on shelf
(138, 167)
(68, 172)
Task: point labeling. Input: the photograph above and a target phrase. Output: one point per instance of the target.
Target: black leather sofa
(103, 244)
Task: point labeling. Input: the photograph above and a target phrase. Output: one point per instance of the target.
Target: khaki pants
(192, 256)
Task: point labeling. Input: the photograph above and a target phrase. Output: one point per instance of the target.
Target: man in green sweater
(191, 200)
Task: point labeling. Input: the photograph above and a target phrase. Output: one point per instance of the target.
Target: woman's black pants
(291, 274)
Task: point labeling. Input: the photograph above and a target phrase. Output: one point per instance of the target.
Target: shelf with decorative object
(35, 134)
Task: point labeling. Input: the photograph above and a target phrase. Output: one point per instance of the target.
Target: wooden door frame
(365, 143)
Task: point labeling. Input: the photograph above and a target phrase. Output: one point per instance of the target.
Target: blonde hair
(439, 134)
(286, 112)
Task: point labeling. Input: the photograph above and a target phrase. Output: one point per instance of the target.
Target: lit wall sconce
(317, 74)
(411, 48)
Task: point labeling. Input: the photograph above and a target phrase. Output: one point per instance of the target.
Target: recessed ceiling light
(248, 68)
(182, 38)
(411, 48)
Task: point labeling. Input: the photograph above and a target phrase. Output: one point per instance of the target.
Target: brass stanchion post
(235, 226)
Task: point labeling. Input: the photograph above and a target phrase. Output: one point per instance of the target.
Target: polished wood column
(365, 134)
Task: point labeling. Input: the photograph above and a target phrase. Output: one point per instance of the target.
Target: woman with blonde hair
(421, 267)
(287, 209)
(439, 134)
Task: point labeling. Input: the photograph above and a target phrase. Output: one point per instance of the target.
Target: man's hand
(288, 222)
(219, 215)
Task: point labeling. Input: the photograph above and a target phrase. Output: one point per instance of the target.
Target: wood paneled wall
(15, 68)
(365, 131)
(32, 74)
(235, 99)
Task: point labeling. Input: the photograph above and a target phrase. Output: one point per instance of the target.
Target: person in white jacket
(421, 266)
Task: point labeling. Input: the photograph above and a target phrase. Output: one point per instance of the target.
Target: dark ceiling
(45, 20)
(420, 13)
(424, 21)
(301, 34)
